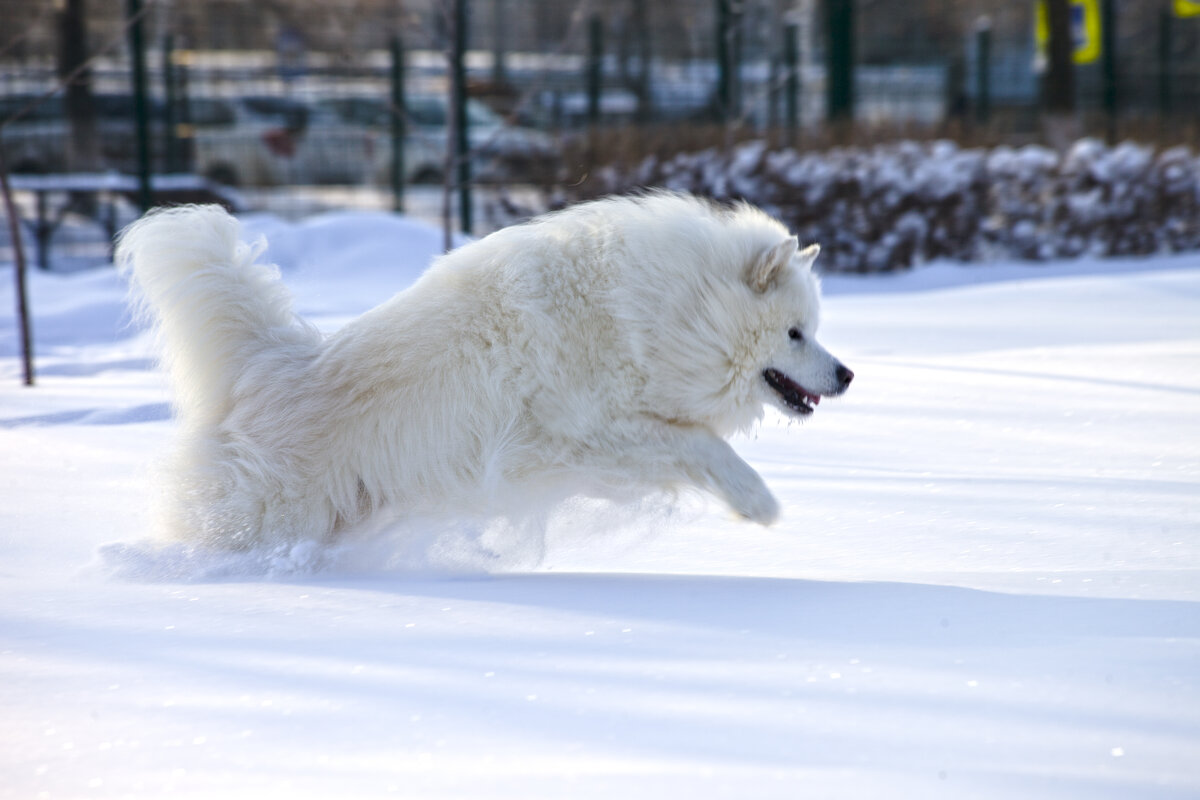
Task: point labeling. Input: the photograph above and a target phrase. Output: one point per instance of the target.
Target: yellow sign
(1085, 28)
(1187, 8)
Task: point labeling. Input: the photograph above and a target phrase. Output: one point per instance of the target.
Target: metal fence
(298, 105)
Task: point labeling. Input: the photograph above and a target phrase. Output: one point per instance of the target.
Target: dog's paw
(727, 476)
(750, 498)
(762, 508)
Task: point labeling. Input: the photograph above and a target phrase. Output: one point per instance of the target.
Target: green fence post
(1108, 65)
(499, 44)
(728, 59)
(170, 107)
(791, 83)
(399, 120)
(462, 145)
(137, 53)
(840, 60)
(983, 73)
(185, 134)
(595, 68)
(724, 67)
(1164, 63)
(595, 87)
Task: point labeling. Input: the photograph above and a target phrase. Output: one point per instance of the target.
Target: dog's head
(729, 307)
(796, 371)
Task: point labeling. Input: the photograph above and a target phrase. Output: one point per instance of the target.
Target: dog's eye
(795, 334)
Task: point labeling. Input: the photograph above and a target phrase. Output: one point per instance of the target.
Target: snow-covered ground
(986, 582)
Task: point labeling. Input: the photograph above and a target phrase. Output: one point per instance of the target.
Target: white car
(268, 140)
(38, 140)
(499, 151)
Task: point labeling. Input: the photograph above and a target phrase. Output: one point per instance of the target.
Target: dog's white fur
(613, 345)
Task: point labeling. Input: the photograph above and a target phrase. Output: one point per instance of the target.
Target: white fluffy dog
(611, 346)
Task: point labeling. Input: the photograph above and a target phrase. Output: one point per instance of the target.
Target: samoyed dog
(608, 348)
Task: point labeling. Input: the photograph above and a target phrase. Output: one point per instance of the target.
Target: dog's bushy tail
(217, 310)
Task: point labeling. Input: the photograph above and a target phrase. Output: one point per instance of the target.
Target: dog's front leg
(722, 471)
(673, 454)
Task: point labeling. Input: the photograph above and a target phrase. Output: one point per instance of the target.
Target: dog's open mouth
(795, 396)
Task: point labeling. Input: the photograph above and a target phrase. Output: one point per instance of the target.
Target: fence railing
(374, 121)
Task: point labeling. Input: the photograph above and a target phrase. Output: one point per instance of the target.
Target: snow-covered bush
(886, 207)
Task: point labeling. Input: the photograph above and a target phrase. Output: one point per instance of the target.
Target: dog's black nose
(844, 377)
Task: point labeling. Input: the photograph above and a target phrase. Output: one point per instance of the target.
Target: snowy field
(986, 581)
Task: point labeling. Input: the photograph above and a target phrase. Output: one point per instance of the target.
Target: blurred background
(890, 132)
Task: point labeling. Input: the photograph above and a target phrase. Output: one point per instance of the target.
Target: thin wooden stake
(14, 230)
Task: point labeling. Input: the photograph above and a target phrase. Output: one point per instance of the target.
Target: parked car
(263, 140)
(273, 140)
(499, 151)
(37, 142)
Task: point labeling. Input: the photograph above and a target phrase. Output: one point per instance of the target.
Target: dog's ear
(808, 255)
(764, 271)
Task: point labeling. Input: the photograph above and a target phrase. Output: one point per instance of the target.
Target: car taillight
(280, 142)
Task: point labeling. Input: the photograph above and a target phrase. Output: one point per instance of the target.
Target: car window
(479, 114)
(281, 109)
(427, 111)
(121, 107)
(44, 108)
(210, 111)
